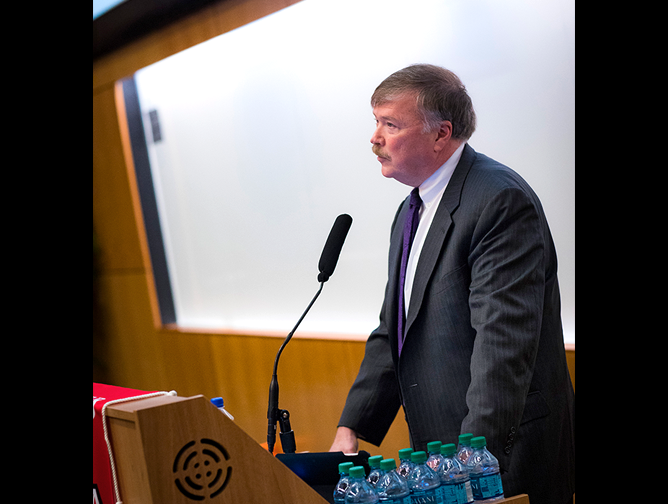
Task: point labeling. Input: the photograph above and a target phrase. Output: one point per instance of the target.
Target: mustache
(379, 152)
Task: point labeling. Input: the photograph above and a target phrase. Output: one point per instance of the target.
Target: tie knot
(415, 197)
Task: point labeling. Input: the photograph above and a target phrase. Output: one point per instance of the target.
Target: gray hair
(440, 94)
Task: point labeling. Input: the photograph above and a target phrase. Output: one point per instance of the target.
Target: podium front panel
(184, 450)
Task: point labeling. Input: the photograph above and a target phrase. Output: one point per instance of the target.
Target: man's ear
(444, 134)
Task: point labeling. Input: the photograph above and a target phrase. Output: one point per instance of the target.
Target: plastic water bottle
(435, 458)
(455, 481)
(359, 490)
(392, 488)
(344, 480)
(405, 463)
(423, 482)
(376, 473)
(484, 471)
(464, 451)
(220, 404)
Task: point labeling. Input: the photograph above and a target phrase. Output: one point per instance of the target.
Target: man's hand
(345, 441)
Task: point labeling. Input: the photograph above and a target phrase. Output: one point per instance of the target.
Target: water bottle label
(487, 487)
(459, 493)
(469, 493)
(428, 497)
(397, 500)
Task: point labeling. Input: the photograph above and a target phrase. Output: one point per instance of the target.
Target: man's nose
(376, 138)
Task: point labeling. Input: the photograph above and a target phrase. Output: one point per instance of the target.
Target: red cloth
(103, 486)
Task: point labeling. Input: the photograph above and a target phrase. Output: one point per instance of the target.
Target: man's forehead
(401, 107)
(385, 114)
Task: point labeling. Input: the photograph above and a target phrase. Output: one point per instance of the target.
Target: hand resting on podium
(345, 441)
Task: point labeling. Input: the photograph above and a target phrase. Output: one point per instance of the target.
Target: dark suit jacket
(484, 350)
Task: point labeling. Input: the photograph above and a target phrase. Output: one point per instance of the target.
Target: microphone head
(333, 246)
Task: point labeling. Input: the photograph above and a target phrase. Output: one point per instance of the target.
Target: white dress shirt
(431, 192)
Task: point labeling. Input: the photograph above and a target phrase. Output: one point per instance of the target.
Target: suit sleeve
(373, 400)
(506, 302)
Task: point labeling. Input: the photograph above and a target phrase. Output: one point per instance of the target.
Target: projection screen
(264, 140)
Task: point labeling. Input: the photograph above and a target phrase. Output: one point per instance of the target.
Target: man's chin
(390, 173)
(386, 169)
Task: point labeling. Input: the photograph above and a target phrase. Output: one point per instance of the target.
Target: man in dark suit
(470, 337)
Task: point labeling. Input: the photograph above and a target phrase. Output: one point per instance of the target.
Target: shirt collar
(434, 186)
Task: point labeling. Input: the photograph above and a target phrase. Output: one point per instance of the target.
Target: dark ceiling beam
(133, 19)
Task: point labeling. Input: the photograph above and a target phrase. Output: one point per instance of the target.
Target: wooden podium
(176, 450)
(180, 450)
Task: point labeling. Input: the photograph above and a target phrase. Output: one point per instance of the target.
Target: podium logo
(202, 470)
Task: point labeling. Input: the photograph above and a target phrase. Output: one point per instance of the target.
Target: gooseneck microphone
(327, 265)
(333, 246)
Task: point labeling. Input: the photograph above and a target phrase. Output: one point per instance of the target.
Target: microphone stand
(275, 414)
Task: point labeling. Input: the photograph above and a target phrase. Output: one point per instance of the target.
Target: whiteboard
(265, 140)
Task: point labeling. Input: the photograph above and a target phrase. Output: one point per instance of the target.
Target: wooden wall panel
(570, 358)
(113, 209)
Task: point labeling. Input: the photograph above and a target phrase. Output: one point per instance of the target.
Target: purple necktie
(410, 228)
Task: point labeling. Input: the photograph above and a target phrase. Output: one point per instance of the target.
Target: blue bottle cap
(218, 402)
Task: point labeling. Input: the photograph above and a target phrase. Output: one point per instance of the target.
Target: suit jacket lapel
(391, 296)
(435, 240)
